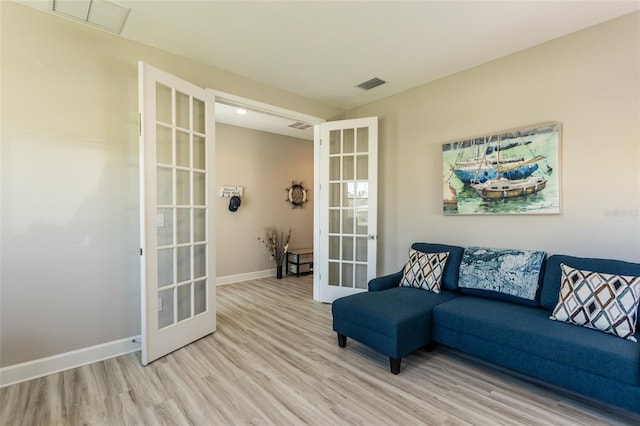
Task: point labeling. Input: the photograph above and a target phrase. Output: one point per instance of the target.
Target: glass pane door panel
(183, 154)
(184, 263)
(198, 153)
(199, 261)
(199, 189)
(182, 111)
(184, 302)
(334, 247)
(181, 225)
(165, 227)
(347, 221)
(361, 276)
(363, 139)
(165, 312)
(334, 221)
(347, 248)
(180, 151)
(348, 141)
(334, 195)
(362, 222)
(347, 275)
(164, 149)
(361, 250)
(334, 142)
(362, 191)
(198, 116)
(199, 297)
(183, 188)
(334, 273)
(183, 222)
(163, 104)
(165, 267)
(165, 186)
(348, 194)
(334, 168)
(199, 225)
(362, 166)
(348, 171)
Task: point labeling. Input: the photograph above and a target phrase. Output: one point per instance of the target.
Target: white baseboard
(228, 279)
(54, 364)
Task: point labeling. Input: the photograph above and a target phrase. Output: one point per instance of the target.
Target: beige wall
(69, 271)
(589, 81)
(264, 164)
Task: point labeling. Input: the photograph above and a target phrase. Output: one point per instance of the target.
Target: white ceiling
(323, 49)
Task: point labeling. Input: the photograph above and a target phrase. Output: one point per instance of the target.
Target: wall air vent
(370, 84)
(300, 126)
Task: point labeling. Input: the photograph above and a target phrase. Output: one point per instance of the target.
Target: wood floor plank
(275, 361)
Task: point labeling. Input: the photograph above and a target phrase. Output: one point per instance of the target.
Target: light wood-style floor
(274, 360)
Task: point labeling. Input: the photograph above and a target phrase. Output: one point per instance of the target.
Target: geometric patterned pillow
(604, 302)
(424, 270)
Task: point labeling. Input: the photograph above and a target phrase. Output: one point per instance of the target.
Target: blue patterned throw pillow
(501, 273)
(424, 270)
(604, 302)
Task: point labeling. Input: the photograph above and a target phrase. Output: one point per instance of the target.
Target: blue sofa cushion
(503, 274)
(528, 329)
(553, 274)
(424, 270)
(452, 267)
(604, 302)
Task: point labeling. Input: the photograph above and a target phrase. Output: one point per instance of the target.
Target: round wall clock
(297, 194)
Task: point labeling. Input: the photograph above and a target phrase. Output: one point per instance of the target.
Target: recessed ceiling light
(241, 111)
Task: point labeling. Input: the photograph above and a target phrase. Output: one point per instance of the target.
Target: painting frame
(513, 171)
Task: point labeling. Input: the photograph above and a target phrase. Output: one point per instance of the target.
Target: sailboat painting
(515, 171)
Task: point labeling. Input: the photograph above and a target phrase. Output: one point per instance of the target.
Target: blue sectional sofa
(501, 328)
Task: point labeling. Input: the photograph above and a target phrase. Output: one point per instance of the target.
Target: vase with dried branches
(277, 242)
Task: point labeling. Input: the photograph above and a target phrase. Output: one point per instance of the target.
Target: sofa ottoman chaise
(390, 322)
(395, 322)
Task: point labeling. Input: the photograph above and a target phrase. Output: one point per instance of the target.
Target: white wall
(589, 81)
(69, 271)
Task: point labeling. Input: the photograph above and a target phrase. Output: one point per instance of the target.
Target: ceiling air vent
(299, 125)
(102, 14)
(370, 84)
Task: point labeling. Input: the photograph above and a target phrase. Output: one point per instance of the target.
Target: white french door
(177, 128)
(346, 238)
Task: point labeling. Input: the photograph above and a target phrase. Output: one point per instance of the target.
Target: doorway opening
(264, 163)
